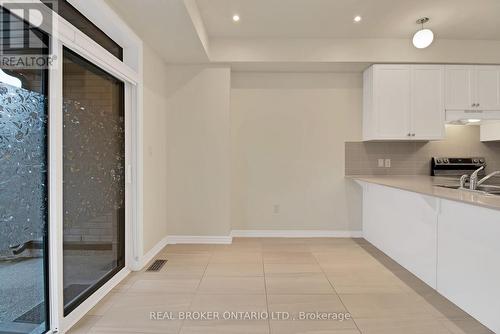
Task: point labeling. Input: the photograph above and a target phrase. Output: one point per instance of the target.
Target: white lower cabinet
(468, 271)
(453, 247)
(404, 226)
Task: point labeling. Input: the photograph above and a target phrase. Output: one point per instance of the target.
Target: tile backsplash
(413, 158)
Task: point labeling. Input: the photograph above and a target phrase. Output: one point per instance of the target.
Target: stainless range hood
(471, 116)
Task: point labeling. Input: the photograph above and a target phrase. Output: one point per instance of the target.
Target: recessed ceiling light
(357, 18)
(236, 18)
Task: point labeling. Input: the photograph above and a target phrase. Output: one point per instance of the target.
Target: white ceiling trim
(169, 27)
(199, 25)
(231, 50)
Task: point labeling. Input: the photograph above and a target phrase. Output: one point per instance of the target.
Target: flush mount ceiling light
(424, 37)
(236, 18)
(357, 19)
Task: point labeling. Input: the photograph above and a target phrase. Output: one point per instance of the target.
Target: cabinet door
(490, 131)
(403, 225)
(459, 87)
(468, 272)
(392, 101)
(427, 102)
(487, 87)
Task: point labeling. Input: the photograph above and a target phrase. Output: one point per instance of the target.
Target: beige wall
(198, 151)
(154, 216)
(287, 134)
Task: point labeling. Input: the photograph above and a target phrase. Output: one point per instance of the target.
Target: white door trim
(55, 170)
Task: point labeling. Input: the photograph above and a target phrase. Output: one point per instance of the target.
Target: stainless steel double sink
(486, 189)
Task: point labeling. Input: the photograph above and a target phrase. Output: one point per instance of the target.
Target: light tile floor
(335, 276)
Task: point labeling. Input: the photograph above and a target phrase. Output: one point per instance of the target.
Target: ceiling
(313, 35)
(450, 19)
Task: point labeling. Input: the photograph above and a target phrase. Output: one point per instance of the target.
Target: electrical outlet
(381, 162)
(387, 163)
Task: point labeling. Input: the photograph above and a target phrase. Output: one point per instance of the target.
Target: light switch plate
(387, 163)
(381, 162)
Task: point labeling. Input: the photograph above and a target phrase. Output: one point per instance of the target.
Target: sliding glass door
(23, 182)
(63, 154)
(93, 178)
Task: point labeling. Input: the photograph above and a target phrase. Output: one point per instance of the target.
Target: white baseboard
(199, 239)
(179, 239)
(226, 240)
(295, 234)
(150, 255)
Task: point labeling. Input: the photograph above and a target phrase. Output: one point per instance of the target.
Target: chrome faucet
(474, 178)
(463, 180)
(487, 177)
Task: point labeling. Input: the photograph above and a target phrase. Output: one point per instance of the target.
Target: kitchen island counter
(428, 185)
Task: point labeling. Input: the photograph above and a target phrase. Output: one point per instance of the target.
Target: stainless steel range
(446, 166)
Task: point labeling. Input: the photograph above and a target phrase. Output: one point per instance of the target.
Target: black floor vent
(157, 265)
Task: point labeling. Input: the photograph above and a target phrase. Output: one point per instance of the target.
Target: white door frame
(130, 72)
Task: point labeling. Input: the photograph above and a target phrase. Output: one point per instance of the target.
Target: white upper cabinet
(403, 102)
(474, 87)
(427, 102)
(392, 101)
(487, 90)
(459, 82)
(490, 131)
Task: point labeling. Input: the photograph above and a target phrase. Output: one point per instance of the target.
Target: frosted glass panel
(94, 178)
(23, 166)
(23, 209)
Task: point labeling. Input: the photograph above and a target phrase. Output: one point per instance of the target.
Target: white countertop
(427, 185)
